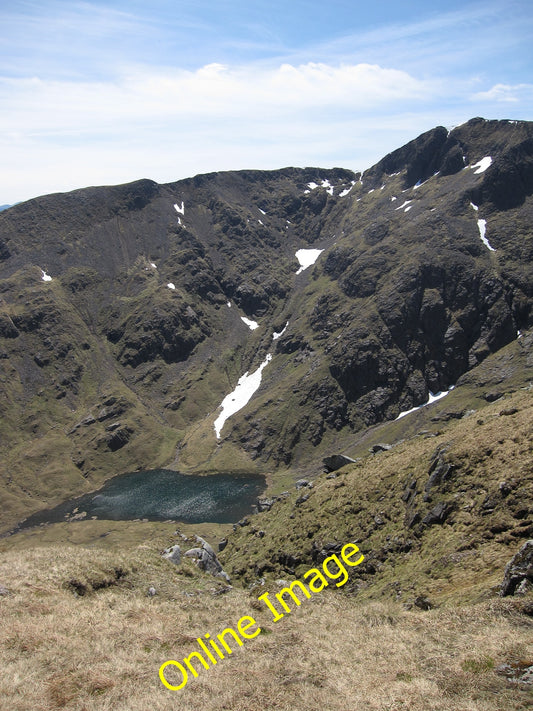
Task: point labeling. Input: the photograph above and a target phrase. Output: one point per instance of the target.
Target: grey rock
(173, 554)
(4, 591)
(518, 569)
(409, 492)
(207, 560)
(151, 591)
(423, 603)
(336, 461)
(516, 672)
(88, 420)
(265, 504)
(113, 426)
(527, 676)
(492, 396)
(412, 519)
(222, 544)
(118, 438)
(524, 588)
(440, 470)
(302, 483)
(438, 514)
(380, 447)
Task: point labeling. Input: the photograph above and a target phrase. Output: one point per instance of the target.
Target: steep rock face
(141, 290)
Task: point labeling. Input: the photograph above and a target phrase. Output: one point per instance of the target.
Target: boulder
(518, 570)
(336, 461)
(423, 603)
(302, 483)
(380, 447)
(173, 554)
(438, 514)
(439, 470)
(265, 504)
(207, 560)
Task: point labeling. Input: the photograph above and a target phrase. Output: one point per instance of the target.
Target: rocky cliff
(121, 308)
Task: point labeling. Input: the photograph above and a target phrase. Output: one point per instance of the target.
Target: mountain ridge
(404, 299)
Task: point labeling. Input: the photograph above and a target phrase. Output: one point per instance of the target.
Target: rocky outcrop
(173, 554)
(170, 330)
(518, 575)
(207, 560)
(336, 461)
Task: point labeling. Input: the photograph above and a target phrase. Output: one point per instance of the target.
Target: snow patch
(261, 211)
(407, 202)
(393, 199)
(346, 191)
(45, 276)
(307, 257)
(474, 207)
(432, 398)
(482, 226)
(329, 187)
(252, 325)
(323, 184)
(408, 208)
(180, 208)
(275, 335)
(261, 223)
(229, 304)
(171, 286)
(241, 396)
(153, 265)
(482, 165)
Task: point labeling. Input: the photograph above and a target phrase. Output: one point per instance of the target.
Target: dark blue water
(161, 494)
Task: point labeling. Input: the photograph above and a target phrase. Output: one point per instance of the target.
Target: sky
(101, 93)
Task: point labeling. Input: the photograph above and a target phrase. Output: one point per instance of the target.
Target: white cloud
(506, 93)
(213, 92)
(57, 135)
(77, 111)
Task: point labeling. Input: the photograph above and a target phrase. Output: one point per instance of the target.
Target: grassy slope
(462, 558)
(103, 650)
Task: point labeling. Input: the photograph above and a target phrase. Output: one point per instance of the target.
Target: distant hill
(121, 321)
(4, 207)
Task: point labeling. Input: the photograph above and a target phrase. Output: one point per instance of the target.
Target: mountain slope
(426, 269)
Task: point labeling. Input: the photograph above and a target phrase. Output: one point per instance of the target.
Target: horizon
(106, 93)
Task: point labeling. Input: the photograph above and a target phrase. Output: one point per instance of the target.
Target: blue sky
(107, 92)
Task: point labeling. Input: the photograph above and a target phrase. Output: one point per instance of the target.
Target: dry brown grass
(103, 650)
